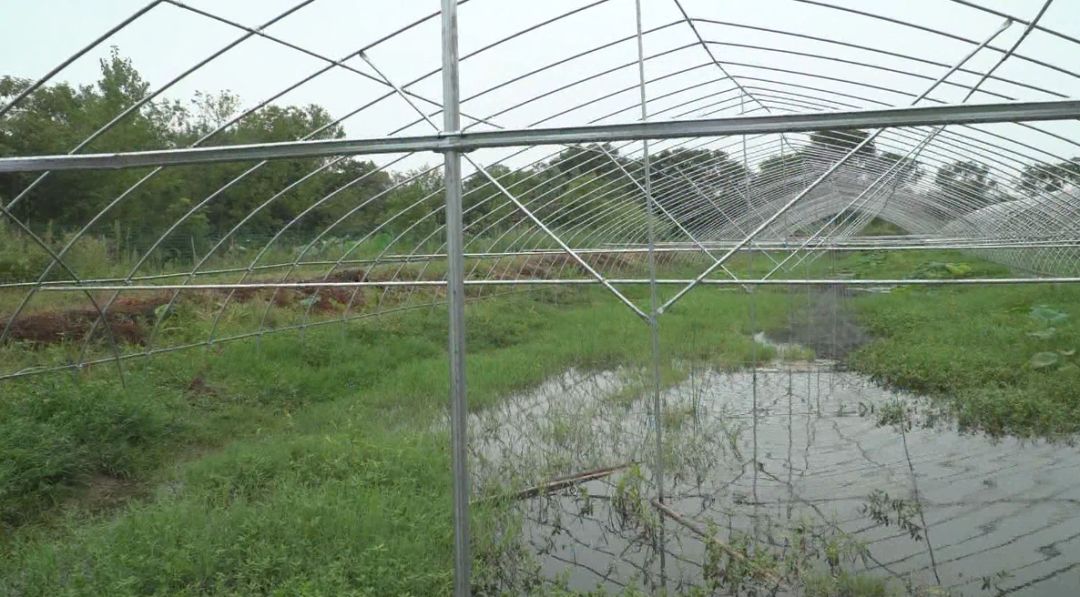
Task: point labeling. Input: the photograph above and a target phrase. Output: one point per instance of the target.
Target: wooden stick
(734, 553)
(558, 483)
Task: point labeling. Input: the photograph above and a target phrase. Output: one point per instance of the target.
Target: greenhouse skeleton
(833, 191)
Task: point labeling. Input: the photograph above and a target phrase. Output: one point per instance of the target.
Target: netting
(660, 152)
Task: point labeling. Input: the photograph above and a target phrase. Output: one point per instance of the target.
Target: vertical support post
(654, 302)
(455, 247)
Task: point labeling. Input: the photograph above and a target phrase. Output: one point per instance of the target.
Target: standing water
(849, 479)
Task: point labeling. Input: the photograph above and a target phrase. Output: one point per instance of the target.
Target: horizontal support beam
(469, 141)
(566, 282)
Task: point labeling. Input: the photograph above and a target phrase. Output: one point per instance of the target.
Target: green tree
(1043, 177)
(841, 141)
(784, 174)
(692, 183)
(905, 170)
(57, 118)
(968, 180)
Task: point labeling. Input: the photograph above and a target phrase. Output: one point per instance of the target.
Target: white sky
(38, 34)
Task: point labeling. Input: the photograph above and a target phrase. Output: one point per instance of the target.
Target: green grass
(971, 348)
(295, 467)
(316, 465)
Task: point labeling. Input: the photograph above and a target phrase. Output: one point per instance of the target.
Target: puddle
(830, 485)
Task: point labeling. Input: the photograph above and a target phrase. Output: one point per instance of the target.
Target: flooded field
(772, 478)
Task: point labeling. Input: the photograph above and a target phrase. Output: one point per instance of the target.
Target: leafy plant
(940, 270)
(888, 511)
(1046, 318)
(1042, 360)
(1047, 315)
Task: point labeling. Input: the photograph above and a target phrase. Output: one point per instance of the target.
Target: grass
(314, 465)
(972, 349)
(307, 467)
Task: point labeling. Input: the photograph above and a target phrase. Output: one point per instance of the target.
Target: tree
(784, 169)
(691, 183)
(58, 117)
(841, 141)
(904, 170)
(591, 159)
(1049, 178)
(481, 197)
(968, 180)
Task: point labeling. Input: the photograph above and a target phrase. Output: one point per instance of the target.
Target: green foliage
(1047, 315)
(938, 270)
(1042, 360)
(308, 467)
(57, 117)
(318, 466)
(989, 353)
(678, 173)
(905, 170)
(889, 511)
(845, 584)
(57, 434)
(783, 170)
(842, 141)
(880, 227)
(631, 502)
(1049, 178)
(969, 181)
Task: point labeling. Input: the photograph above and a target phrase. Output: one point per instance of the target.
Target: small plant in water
(676, 415)
(631, 503)
(893, 413)
(993, 582)
(736, 566)
(888, 511)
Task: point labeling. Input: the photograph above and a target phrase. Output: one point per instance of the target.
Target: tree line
(207, 203)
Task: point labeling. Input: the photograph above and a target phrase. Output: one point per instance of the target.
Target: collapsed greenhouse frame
(818, 209)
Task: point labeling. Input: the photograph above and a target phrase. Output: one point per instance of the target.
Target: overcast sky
(38, 34)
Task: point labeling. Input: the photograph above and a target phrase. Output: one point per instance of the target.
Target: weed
(999, 357)
(888, 511)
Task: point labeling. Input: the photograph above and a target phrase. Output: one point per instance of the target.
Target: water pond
(772, 478)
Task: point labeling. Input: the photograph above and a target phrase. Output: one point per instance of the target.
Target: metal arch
(836, 165)
(698, 213)
(936, 31)
(150, 96)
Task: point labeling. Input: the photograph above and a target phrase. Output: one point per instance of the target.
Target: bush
(55, 436)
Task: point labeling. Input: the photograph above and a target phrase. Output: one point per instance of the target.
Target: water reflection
(829, 475)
